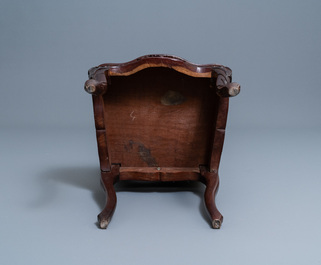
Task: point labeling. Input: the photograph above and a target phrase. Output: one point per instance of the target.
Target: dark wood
(98, 104)
(159, 174)
(108, 179)
(160, 118)
(211, 180)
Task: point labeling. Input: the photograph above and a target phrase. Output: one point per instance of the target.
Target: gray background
(270, 170)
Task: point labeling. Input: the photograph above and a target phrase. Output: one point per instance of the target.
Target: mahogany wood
(108, 179)
(160, 118)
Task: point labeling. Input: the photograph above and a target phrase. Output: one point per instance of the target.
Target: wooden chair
(160, 118)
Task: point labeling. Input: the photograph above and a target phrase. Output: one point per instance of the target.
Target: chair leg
(212, 183)
(108, 179)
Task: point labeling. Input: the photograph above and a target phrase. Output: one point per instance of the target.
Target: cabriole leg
(108, 179)
(212, 183)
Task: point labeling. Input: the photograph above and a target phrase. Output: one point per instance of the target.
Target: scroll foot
(103, 221)
(216, 223)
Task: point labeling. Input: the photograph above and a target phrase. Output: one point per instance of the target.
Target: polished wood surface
(160, 118)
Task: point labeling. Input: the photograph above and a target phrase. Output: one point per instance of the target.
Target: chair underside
(160, 118)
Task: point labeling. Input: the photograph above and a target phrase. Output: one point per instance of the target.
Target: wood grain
(160, 118)
(149, 133)
(222, 75)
